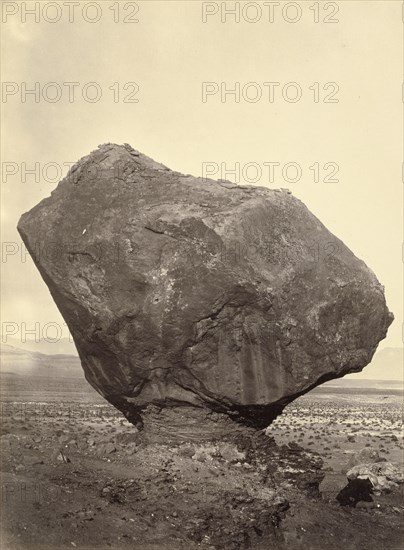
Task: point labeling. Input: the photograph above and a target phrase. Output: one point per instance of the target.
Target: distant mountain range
(64, 346)
(31, 376)
(21, 362)
(45, 359)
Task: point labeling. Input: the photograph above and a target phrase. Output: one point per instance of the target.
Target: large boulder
(188, 292)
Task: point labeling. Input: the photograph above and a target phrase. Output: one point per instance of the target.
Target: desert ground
(75, 474)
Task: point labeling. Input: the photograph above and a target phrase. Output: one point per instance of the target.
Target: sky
(316, 91)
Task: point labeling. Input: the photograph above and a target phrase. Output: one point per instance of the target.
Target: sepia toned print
(201, 255)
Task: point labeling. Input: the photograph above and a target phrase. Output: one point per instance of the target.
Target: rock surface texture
(188, 294)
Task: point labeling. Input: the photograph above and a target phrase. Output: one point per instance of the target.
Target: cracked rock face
(187, 294)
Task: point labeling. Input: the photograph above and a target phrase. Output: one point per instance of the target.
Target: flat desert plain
(75, 475)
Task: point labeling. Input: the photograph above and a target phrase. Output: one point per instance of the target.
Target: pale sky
(169, 53)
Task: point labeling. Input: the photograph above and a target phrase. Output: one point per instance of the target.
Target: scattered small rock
(62, 457)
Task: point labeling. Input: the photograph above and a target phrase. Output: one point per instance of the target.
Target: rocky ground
(79, 476)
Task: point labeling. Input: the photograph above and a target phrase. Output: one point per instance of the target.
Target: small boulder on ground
(384, 476)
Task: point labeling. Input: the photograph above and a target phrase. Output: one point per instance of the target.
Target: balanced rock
(203, 297)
